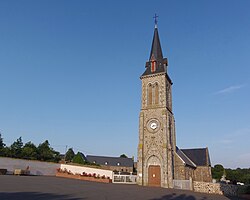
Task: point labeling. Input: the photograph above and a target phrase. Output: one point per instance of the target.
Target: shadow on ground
(34, 196)
(177, 197)
(174, 196)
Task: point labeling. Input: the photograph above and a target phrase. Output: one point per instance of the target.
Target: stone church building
(160, 161)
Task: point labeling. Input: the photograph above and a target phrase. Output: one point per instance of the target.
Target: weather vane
(156, 17)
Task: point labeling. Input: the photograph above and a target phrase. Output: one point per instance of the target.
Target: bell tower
(157, 142)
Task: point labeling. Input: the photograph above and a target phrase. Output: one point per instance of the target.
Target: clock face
(153, 125)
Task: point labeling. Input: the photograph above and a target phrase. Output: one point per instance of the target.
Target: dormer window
(106, 163)
(118, 164)
(153, 63)
(153, 66)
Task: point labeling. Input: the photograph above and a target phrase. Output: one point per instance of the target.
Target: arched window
(156, 93)
(149, 94)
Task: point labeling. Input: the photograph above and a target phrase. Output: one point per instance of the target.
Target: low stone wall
(215, 188)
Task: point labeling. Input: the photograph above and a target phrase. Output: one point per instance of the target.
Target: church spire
(156, 51)
(156, 63)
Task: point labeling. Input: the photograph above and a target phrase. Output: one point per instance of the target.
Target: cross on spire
(156, 17)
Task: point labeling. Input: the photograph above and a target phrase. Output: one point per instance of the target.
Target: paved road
(55, 188)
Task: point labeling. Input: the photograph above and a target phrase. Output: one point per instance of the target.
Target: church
(159, 160)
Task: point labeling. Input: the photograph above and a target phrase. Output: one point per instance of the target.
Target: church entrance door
(154, 175)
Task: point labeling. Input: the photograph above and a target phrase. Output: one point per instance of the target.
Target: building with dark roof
(117, 164)
(193, 163)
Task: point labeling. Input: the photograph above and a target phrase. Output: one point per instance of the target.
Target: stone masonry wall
(118, 168)
(179, 169)
(215, 188)
(203, 174)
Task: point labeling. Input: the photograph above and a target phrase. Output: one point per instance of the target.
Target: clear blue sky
(69, 73)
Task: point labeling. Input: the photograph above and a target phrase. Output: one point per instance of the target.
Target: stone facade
(156, 131)
(203, 174)
(118, 168)
(185, 172)
(182, 171)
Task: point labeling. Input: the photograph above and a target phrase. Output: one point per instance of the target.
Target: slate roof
(156, 54)
(184, 158)
(83, 156)
(199, 156)
(111, 161)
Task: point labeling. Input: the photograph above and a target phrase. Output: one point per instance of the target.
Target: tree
(46, 153)
(30, 151)
(16, 148)
(2, 146)
(69, 155)
(78, 158)
(123, 156)
(218, 171)
(238, 175)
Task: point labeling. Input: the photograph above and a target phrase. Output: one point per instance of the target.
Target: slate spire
(156, 63)
(156, 51)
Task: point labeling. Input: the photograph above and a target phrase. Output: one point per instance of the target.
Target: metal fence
(125, 179)
(183, 184)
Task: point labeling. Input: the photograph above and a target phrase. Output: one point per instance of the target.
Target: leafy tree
(238, 175)
(7, 152)
(69, 155)
(30, 151)
(16, 148)
(78, 158)
(218, 171)
(123, 156)
(2, 146)
(46, 153)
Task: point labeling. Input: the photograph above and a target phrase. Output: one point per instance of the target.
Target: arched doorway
(154, 171)
(154, 175)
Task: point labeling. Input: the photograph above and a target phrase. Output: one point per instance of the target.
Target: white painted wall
(79, 169)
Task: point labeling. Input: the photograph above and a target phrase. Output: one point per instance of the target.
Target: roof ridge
(107, 157)
(195, 148)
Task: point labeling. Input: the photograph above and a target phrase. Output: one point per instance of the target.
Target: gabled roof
(111, 161)
(184, 158)
(199, 156)
(156, 57)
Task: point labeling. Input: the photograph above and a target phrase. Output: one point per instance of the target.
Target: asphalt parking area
(55, 188)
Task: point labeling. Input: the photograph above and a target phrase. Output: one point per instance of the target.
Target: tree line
(234, 175)
(42, 152)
